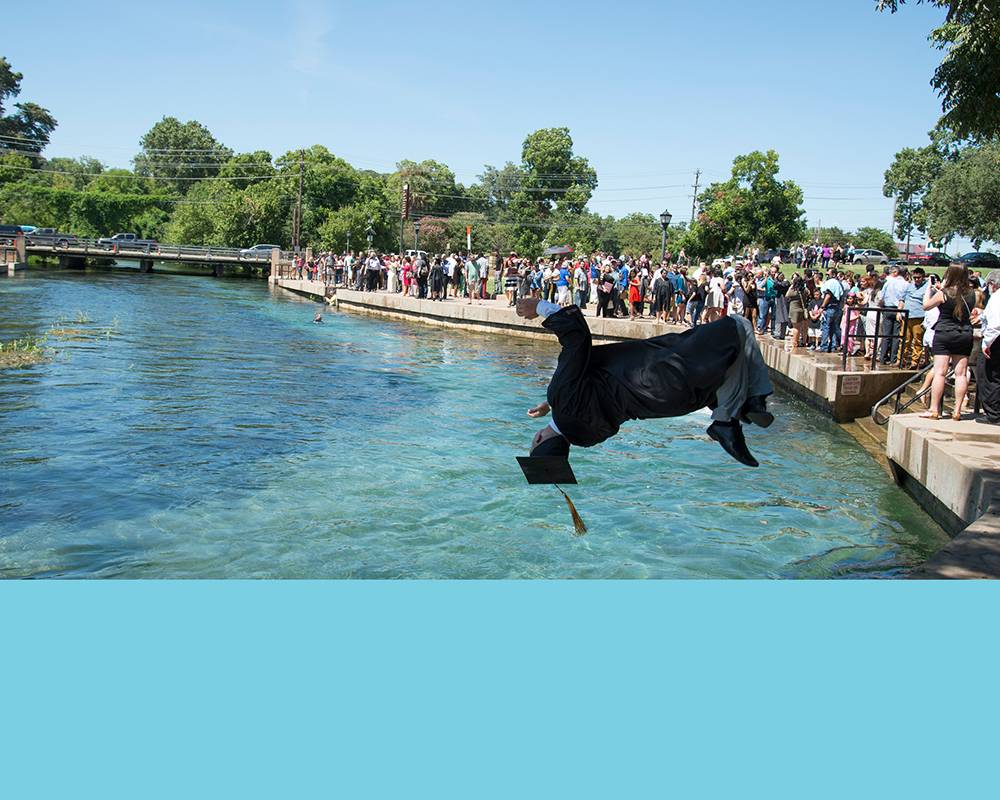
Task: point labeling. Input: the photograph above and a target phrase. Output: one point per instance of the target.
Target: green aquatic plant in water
(70, 328)
(22, 352)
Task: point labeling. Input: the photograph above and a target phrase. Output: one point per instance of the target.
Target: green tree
(554, 177)
(180, 154)
(432, 188)
(911, 174)
(14, 168)
(965, 197)
(247, 169)
(120, 181)
(969, 73)
(752, 206)
(71, 173)
(497, 187)
(876, 239)
(639, 233)
(29, 126)
(329, 182)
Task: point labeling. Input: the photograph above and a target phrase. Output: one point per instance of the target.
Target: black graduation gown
(596, 388)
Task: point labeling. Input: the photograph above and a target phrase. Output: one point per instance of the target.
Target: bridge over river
(75, 252)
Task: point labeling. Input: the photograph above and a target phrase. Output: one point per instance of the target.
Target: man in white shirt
(988, 368)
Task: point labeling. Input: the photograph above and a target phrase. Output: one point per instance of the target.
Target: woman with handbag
(797, 301)
(605, 292)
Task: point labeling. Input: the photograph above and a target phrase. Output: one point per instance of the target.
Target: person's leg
(761, 314)
(884, 332)
(824, 329)
(988, 387)
(937, 385)
(747, 377)
(961, 385)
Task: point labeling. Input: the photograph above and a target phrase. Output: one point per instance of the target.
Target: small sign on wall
(850, 385)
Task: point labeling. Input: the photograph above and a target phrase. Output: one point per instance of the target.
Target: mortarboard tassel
(579, 527)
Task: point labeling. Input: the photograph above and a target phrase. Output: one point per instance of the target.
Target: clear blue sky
(649, 90)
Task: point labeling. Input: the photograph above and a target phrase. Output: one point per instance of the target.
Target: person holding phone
(955, 300)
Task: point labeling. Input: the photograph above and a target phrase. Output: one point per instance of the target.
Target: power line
(133, 176)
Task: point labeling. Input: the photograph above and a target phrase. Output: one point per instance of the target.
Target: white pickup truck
(127, 240)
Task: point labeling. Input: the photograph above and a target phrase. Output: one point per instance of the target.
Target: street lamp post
(665, 218)
(416, 235)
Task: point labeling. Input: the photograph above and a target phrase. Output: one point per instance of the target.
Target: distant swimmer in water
(319, 317)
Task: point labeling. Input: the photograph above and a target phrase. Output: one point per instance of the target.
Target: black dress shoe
(730, 436)
(755, 411)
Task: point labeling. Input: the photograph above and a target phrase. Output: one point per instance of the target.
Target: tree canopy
(29, 126)
(753, 206)
(969, 73)
(180, 153)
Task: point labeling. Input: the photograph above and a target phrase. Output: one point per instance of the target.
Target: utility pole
(694, 197)
(297, 214)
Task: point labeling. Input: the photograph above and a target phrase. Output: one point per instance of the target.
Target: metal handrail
(92, 246)
(897, 393)
(861, 334)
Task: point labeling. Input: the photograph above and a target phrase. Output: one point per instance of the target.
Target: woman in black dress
(436, 279)
(955, 298)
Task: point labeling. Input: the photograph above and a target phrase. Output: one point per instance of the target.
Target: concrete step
(872, 439)
(877, 433)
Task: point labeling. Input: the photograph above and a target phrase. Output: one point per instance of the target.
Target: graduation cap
(546, 469)
(548, 463)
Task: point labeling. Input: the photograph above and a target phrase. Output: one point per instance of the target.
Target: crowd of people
(818, 302)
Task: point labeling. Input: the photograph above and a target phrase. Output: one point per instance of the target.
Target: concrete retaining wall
(952, 468)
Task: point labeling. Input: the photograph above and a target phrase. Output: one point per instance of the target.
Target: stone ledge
(958, 463)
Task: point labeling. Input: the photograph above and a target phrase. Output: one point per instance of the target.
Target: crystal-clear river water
(189, 427)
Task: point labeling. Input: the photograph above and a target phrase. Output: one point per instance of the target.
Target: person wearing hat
(595, 389)
(988, 367)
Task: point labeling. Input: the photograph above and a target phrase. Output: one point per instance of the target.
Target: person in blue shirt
(895, 287)
(913, 302)
(766, 297)
(623, 275)
(832, 291)
(562, 284)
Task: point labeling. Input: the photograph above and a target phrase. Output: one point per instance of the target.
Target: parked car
(412, 255)
(768, 255)
(126, 240)
(980, 261)
(8, 233)
(927, 259)
(50, 237)
(869, 256)
(258, 251)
